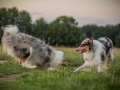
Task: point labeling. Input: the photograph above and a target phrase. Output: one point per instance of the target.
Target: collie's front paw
(34, 66)
(51, 69)
(76, 70)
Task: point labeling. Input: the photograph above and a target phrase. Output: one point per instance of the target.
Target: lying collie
(30, 51)
(97, 54)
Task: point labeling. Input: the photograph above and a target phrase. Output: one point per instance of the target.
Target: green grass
(64, 79)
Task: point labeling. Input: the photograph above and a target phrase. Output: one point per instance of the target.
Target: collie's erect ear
(90, 40)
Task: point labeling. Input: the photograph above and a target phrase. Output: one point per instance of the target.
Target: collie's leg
(52, 69)
(109, 59)
(101, 67)
(111, 56)
(25, 64)
(107, 63)
(84, 66)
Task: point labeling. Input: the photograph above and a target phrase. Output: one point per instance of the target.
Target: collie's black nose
(76, 49)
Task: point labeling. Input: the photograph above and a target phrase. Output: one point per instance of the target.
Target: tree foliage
(40, 28)
(64, 30)
(118, 40)
(95, 31)
(12, 16)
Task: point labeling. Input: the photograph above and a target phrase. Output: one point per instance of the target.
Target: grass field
(64, 79)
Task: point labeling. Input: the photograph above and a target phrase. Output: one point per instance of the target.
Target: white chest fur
(88, 56)
(91, 58)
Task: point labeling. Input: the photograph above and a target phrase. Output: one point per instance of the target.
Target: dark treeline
(64, 30)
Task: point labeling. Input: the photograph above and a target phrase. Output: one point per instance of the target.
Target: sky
(99, 12)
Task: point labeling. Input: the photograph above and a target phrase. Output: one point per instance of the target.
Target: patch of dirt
(10, 77)
(3, 61)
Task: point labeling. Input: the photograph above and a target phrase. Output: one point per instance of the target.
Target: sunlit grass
(64, 79)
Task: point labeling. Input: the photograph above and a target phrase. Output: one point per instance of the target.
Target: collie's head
(85, 46)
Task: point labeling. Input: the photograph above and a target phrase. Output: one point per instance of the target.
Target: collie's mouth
(82, 51)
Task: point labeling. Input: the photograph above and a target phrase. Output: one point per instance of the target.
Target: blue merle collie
(31, 52)
(97, 54)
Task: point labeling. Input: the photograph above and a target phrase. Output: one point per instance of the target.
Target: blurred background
(63, 22)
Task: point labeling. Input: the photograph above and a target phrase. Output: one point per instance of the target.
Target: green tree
(3, 15)
(12, 16)
(24, 22)
(65, 31)
(8, 16)
(90, 30)
(118, 40)
(40, 28)
(96, 32)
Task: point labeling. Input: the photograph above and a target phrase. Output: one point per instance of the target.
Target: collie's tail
(11, 29)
